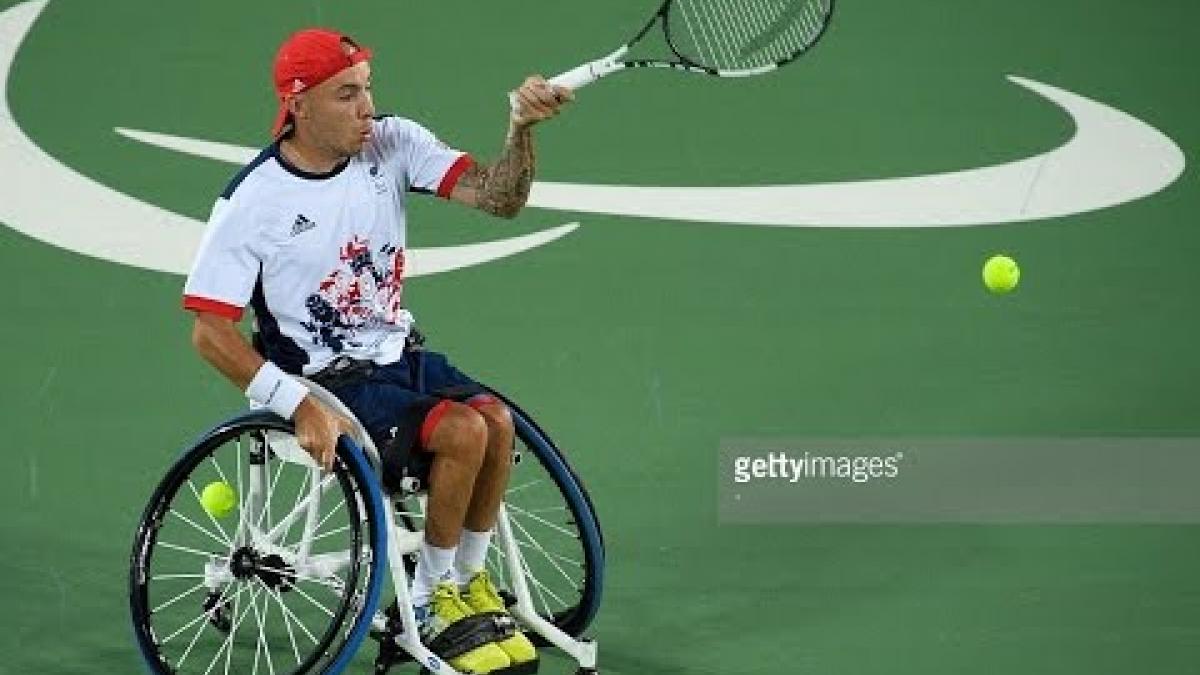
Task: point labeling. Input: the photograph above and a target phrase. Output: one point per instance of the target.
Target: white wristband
(276, 389)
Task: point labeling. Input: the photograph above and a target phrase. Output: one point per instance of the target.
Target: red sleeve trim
(456, 170)
(199, 304)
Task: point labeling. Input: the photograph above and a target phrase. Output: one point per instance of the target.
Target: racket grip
(572, 79)
(591, 71)
(583, 75)
(578, 77)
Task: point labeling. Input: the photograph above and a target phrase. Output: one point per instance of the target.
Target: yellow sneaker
(453, 631)
(481, 596)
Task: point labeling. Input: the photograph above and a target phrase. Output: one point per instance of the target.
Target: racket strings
(736, 35)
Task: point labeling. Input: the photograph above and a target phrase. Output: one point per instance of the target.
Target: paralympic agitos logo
(1113, 158)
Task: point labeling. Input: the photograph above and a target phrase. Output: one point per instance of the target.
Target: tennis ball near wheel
(218, 499)
(1001, 274)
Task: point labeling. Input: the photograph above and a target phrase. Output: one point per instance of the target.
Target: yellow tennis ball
(219, 499)
(1001, 274)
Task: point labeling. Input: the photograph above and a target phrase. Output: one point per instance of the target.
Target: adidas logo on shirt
(302, 224)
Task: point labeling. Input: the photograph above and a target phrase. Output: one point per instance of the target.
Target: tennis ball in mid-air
(1001, 274)
(218, 499)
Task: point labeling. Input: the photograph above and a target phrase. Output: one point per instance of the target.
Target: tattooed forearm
(503, 187)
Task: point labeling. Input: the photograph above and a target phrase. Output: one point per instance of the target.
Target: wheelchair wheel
(286, 582)
(556, 530)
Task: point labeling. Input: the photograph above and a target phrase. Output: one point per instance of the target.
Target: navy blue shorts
(400, 413)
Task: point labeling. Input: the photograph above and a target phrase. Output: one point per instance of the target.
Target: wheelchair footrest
(458, 639)
(466, 634)
(530, 668)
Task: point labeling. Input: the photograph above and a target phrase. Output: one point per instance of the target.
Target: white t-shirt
(320, 257)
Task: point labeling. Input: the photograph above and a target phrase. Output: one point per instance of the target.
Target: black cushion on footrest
(506, 626)
(464, 635)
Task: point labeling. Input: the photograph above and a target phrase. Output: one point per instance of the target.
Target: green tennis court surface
(640, 343)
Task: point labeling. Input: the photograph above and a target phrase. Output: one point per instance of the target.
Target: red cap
(308, 58)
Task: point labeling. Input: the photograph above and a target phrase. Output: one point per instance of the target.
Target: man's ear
(296, 106)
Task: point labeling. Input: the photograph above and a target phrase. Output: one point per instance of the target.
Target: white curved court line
(51, 202)
(1112, 158)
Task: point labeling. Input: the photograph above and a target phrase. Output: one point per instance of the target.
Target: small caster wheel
(218, 615)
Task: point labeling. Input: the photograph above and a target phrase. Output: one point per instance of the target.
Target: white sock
(433, 566)
(472, 554)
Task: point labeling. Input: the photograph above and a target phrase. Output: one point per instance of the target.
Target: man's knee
(455, 428)
(494, 413)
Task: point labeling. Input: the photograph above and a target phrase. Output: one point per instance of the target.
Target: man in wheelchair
(312, 235)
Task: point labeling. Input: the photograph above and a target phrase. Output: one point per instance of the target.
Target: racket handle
(583, 75)
(578, 77)
(591, 71)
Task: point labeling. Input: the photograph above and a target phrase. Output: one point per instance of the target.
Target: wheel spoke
(547, 509)
(194, 640)
(538, 587)
(185, 549)
(286, 522)
(300, 577)
(177, 598)
(210, 614)
(541, 549)
(543, 521)
(321, 523)
(567, 559)
(259, 618)
(166, 577)
(522, 486)
(203, 615)
(316, 604)
(224, 541)
(343, 528)
(300, 493)
(287, 622)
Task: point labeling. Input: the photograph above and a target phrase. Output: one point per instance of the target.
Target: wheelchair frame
(398, 542)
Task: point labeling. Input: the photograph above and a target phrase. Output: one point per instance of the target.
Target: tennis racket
(726, 38)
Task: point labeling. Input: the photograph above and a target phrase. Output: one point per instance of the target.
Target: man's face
(338, 111)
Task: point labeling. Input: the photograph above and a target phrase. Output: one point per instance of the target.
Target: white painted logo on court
(1113, 158)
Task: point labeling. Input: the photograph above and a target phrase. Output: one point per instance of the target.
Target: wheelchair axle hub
(271, 569)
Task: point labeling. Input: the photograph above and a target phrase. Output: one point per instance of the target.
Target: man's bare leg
(457, 436)
(479, 592)
(458, 441)
(493, 475)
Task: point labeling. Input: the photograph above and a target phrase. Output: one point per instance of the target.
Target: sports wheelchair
(290, 580)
